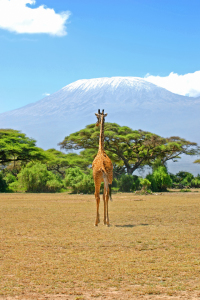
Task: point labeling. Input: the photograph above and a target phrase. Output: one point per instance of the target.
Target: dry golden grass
(49, 246)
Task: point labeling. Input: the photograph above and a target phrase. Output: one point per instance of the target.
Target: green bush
(16, 187)
(78, 181)
(182, 175)
(145, 183)
(9, 178)
(159, 179)
(128, 183)
(196, 182)
(3, 184)
(125, 183)
(136, 182)
(53, 185)
(185, 178)
(35, 178)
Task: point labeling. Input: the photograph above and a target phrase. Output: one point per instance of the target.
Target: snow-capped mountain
(130, 101)
(111, 92)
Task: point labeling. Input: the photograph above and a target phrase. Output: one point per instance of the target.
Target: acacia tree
(17, 147)
(129, 149)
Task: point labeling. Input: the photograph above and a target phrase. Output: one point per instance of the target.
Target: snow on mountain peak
(111, 82)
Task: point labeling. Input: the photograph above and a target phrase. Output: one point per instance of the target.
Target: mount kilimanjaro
(129, 101)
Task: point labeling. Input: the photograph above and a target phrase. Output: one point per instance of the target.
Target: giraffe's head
(100, 117)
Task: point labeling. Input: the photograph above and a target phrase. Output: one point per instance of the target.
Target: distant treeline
(27, 168)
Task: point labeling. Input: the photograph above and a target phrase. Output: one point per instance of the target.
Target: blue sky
(80, 39)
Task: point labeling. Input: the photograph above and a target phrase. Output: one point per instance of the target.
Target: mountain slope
(124, 91)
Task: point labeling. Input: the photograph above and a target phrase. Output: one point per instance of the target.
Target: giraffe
(102, 172)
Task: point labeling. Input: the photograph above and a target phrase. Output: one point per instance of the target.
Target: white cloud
(46, 94)
(17, 17)
(187, 85)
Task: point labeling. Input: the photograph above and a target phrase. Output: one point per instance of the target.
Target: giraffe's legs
(97, 196)
(105, 199)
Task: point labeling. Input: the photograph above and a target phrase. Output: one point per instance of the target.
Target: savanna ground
(50, 249)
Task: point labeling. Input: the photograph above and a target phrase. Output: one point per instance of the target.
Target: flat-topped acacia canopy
(127, 147)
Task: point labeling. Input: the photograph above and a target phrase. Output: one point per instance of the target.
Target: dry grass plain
(50, 249)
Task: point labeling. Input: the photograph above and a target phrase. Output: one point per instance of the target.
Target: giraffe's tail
(110, 191)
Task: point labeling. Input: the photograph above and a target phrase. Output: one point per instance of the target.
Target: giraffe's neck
(101, 138)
